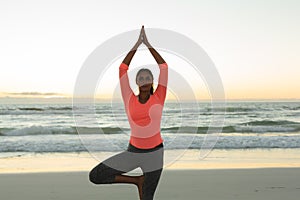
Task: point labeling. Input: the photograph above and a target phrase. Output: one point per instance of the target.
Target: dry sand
(217, 159)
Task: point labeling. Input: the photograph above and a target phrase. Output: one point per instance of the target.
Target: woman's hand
(138, 42)
(131, 53)
(140, 39)
(154, 53)
(144, 38)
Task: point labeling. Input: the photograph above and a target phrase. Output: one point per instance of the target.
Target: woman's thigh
(151, 161)
(125, 161)
(106, 171)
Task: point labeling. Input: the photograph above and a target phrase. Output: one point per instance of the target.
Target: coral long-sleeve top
(144, 119)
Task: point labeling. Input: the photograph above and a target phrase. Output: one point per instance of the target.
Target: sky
(254, 45)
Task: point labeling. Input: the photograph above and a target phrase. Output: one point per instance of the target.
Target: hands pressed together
(143, 38)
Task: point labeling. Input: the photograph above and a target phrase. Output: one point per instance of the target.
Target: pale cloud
(33, 93)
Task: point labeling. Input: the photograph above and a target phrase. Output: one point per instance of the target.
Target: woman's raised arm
(154, 53)
(124, 80)
(131, 53)
(161, 89)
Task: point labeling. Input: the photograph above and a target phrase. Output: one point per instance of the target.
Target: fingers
(140, 39)
(143, 31)
(144, 37)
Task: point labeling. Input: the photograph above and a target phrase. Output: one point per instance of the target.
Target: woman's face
(144, 80)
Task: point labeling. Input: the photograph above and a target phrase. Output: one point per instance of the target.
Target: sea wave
(291, 107)
(231, 109)
(46, 130)
(234, 129)
(119, 142)
(35, 110)
(47, 108)
(263, 126)
(270, 123)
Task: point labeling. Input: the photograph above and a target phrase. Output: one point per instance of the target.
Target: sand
(225, 184)
(224, 174)
(217, 159)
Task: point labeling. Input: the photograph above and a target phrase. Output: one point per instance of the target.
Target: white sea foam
(51, 127)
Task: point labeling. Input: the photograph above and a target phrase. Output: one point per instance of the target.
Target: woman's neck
(144, 96)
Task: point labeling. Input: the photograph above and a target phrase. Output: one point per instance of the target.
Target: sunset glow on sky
(255, 45)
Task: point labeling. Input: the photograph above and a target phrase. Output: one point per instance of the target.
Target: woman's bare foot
(140, 183)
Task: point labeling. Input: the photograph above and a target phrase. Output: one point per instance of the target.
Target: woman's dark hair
(149, 71)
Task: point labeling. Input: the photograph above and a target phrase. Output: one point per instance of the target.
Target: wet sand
(213, 184)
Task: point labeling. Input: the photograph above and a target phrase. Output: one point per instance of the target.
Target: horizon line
(67, 96)
(108, 99)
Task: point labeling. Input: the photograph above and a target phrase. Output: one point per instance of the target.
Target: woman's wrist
(136, 46)
(149, 46)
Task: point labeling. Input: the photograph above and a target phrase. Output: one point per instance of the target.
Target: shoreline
(174, 160)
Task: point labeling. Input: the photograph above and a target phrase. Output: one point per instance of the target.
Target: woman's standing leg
(150, 184)
(152, 166)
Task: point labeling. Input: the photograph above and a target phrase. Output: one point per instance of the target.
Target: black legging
(149, 160)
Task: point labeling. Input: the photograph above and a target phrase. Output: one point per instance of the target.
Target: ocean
(50, 127)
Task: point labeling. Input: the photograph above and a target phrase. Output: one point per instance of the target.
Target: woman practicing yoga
(144, 111)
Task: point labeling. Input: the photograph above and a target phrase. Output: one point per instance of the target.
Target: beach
(45, 155)
(223, 174)
(223, 99)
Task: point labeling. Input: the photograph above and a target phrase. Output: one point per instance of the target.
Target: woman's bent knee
(93, 176)
(102, 174)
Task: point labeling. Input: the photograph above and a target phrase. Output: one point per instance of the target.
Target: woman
(144, 111)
